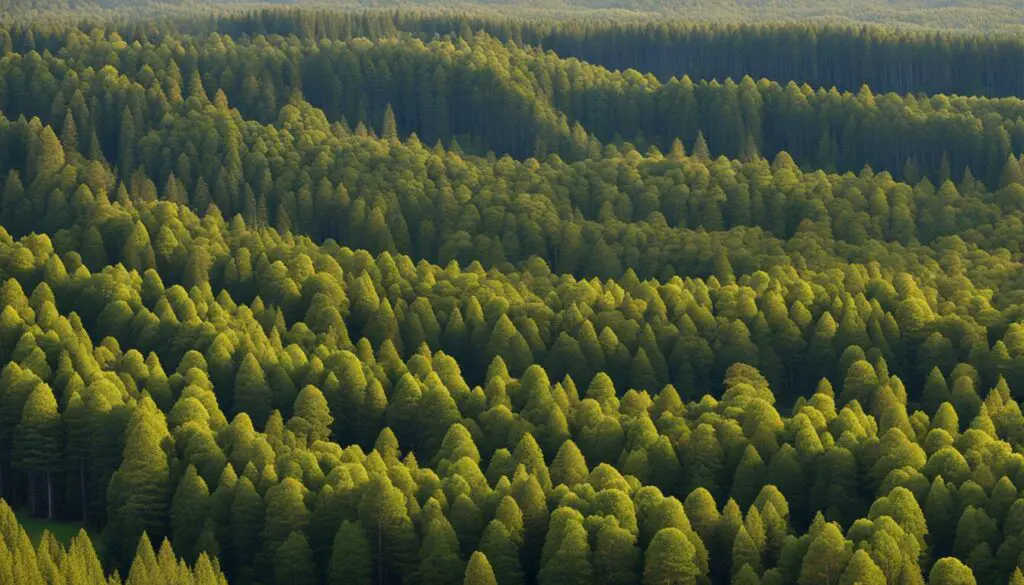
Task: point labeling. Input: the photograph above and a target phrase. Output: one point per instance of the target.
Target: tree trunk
(81, 482)
(32, 491)
(380, 547)
(49, 496)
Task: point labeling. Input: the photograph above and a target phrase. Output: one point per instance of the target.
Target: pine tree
(746, 576)
(950, 571)
(69, 133)
(201, 197)
(139, 494)
(457, 443)
(861, 569)
(826, 557)
(145, 568)
(315, 415)
(478, 571)
(351, 557)
(498, 544)
(18, 562)
(293, 561)
(616, 556)
(247, 512)
(138, 251)
(46, 156)
(508, 343)
(700, 148)
(83, 564)
(702, 459)
(38, 441)
(745, 552)
(189, 509)
(468, 521)
(126, 145)
(286, 513)
(569, 467)
(569, 563)
(749, 477)
(389, 128)
(252, 394)
(669, 559)
(439, 552)
(385, 519)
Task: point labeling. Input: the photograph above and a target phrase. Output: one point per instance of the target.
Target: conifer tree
(389, 128)
(311, 408)
(351, 557)
(246, 522)
(389, 529)
(669, 559)
(498, 544)
(478, 571)
(439, 560)
(293, 561)
(950, 571)
(38, 441)
(139, 494)
(252, 394)
(189, 509)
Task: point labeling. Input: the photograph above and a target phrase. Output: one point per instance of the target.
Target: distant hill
(972, 15)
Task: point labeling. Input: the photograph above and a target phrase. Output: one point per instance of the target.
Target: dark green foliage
(416, 308)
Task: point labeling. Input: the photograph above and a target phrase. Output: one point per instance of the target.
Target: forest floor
(35, 527)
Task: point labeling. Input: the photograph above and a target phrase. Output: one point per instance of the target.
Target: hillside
(298, 296)
(958, 15)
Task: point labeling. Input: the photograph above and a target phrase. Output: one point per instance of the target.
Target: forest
(975, 16)
(312, 296)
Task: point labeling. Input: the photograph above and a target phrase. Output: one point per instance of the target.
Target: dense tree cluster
(845, 56)
(320, 309)
(50, 561)
(959, 15)
(821, 54)
(439, 91)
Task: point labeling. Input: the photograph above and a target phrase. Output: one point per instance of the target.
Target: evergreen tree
(497, 543)
(252, 394)
(439, 550)
(478, 571)
(293, 561)
(351, 557)
(389, 129)
(950, 571)
(38, 441)
(669, 559)
(312, 414)
(139, 494)
(189, 509)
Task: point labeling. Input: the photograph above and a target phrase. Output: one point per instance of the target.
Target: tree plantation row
(827, 54)
(441, 91)
(319, 309)
(821, 54)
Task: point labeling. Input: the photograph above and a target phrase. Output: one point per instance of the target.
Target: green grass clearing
(35, 527)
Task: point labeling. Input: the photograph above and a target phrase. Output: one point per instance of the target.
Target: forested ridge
(296, 297)
(926, 15)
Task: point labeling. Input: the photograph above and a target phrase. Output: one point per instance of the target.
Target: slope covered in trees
(959, 15)
(321, 308)
(439, 90)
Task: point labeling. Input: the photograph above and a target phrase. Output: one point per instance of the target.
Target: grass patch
(35, 527)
